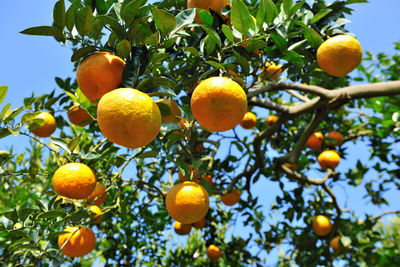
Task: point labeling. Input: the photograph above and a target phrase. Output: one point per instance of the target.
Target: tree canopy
(168, 49)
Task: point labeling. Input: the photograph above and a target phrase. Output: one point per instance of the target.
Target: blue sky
(29, 64)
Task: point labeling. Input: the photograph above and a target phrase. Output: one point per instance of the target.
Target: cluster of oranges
(77, 181)
(322, 227)
(130, 118)
(328, 158)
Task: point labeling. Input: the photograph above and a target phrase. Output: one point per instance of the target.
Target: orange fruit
(81, 243)
(315, 141)
(339, 55)
(231, 198)
(79, 116)
(272, 119)
(175, 111)
(335, 243)
(334, 138)
(249, 120)
(99, 195)
(97, 213)
(74, 180)
(328, 159)
(213, 252)
(187, 202)
(98, 74)
(200, 224)
(215, 5)
(321, 225)
(273, 71)
(128, 117)
(181, 228)
(219, 104)
(191, 170)
(49, 126)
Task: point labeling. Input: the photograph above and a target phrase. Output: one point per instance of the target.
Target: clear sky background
(30, 63)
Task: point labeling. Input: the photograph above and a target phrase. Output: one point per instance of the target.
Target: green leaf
(313, 38)
(243, 62)
(161, 91)
(148, 154)
(4, 132)
(165, 22)
(5, 109)
(215, 64)
(82, 52)
(205, 16)
(135, 67)
(3, 92)
(124, 48)
(227, 32)
(129, 10)
(164, 109)
(287, 5)
(271, 12)
(11, 114)
(296, 7)
(115, 26)
(147, 84)
(241, 18)
(52, 214)
(184, 18)
(279, 41)
(322, 13)
(348, 2)
(44, 31)
(70, 15)
(28, 117)
(61, 143)
(84, 20)
(59, 15)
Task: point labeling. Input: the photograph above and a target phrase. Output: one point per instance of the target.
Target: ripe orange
(175, 111)
(99, 195)
(97, 213)
(49, 126)
(200, 224)
(334, 138)
(339, 55)
(81, 243)
(181, 228)
(335, 243)
(328, 159)
(321, 225)
(315, 141)
(128, 117)
(272, 119)
(79, 116)
(219, 104)
(187, 202)
(74, 180)
(249, 120)
(191, 170)
(98, 74)
(231, 198)
(215, 5)
(214, 252)
(273, 71)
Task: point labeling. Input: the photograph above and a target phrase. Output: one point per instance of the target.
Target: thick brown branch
(370, 90)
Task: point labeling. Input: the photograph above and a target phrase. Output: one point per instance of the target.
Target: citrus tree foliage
(166, 54)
